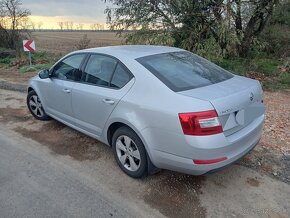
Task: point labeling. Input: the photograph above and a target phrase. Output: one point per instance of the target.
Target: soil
(13, 76)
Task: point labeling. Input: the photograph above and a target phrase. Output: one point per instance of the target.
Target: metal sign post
(29, 55)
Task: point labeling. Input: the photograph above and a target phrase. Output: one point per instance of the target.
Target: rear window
(182, 71)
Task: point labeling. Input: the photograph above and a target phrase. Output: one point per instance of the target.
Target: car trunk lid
(237, 101)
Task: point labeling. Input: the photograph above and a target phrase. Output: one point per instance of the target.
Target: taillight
(200, 123)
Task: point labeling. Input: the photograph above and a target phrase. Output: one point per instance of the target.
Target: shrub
(6, 60)
(83, 43)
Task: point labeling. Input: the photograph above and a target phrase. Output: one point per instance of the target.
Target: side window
(121, 77)
(68, 69)
(99, 70)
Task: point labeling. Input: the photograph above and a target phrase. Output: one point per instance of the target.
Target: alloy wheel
(128, 153)
(36, 106)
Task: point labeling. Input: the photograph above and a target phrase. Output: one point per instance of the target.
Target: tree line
(229, 26)
(70, 25)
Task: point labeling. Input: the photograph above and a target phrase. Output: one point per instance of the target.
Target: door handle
(108, 101)
(66, 90)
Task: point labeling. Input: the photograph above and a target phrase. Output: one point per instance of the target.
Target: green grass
(5, 61)
(44, 57)
(267, 66)
(284, 78)
(33, 68)
(237, 65)
(40, 60)
(282, 82)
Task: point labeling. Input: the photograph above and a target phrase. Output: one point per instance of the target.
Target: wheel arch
(116, 125)
(34, 86)
(152, 169)
(30, 89)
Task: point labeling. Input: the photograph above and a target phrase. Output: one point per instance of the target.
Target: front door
(58, 96)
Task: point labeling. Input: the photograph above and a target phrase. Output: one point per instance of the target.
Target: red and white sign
(28, 45)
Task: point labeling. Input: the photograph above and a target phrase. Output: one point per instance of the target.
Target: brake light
(200, 123)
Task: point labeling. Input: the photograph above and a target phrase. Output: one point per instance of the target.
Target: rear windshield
(182, 71)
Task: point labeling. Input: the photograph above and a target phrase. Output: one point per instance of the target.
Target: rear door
(58, 91)
(104, 82)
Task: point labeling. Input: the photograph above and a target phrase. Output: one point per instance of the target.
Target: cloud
(88, 11)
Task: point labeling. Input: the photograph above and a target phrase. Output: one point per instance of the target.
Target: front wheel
(35, 107)
(129, 152)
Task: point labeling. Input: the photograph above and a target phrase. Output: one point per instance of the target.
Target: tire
(129, 152)
(35, 107)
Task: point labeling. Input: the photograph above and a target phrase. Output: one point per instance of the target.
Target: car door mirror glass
(44, 74)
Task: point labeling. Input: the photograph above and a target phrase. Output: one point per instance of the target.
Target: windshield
(184, 70)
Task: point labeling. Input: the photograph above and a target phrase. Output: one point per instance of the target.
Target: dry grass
(60, 43)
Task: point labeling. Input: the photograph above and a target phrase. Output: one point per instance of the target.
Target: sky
(50, 12)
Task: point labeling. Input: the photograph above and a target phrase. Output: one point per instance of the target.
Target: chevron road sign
(28, 45)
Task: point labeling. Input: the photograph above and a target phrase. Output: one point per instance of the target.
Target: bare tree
(69, 25)
(31, 25)
(80, 26)
(39, 25)
(102, 27)
(66, 25)
(61, 25)
(13, 17)
(95, 26)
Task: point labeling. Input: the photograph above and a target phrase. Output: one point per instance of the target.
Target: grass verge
(274, 74)
(33, 68)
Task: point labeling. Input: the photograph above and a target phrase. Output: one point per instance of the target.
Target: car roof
(131, 51)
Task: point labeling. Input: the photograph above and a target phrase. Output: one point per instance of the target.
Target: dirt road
(35, 185)
(238, 191)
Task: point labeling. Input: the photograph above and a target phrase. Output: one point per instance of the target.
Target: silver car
(157, 107)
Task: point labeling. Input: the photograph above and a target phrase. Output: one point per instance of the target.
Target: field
(60, 43)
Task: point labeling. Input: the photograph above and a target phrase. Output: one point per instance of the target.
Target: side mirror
(44, 74)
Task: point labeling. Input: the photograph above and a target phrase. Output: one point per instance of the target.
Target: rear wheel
(129, 152)
(35, 107)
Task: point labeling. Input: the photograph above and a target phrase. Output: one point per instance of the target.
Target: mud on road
(258, 186)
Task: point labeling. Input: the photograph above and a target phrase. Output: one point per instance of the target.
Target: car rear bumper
(237, 146)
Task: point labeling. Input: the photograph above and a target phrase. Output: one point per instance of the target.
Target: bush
(277, 37)
(5, 61)
(210, 50)
(83, 43)
(277, 33)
